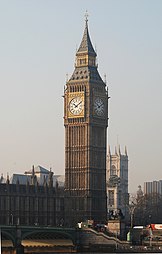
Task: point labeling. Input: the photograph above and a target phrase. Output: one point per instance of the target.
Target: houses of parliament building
(38, 197)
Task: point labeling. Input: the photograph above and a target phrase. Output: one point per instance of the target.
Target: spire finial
(119, 149)
(86, 17)
(126, 151)
(67, 77)
(105, 78)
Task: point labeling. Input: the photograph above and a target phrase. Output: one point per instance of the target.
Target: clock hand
(99, 106)
(78, 103)
(74, 105)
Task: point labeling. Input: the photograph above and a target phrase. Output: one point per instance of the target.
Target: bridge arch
(50, 236)
(7, 236)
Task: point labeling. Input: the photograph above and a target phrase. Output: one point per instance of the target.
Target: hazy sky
(38, 41)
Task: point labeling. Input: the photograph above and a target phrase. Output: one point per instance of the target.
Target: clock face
(76, 105)
(99, 106)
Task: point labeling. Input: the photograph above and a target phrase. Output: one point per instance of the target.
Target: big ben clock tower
(85, 121)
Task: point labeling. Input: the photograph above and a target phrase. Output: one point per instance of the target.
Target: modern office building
(154, 187)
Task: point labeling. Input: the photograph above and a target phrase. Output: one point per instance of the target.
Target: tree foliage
(148, 209)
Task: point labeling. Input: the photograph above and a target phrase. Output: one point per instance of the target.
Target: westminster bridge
(19, 238)
(37, 239)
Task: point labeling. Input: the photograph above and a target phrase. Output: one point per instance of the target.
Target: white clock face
(76, 105)
(99, 107)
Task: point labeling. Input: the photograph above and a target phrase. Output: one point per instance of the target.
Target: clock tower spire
(85, 121)
(85, 63)
(86, 47)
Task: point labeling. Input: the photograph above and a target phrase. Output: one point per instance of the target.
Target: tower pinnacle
(86, 17)
(86, 45)
(85, 62)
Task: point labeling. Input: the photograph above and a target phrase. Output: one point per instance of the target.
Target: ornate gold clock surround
(79, 112)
